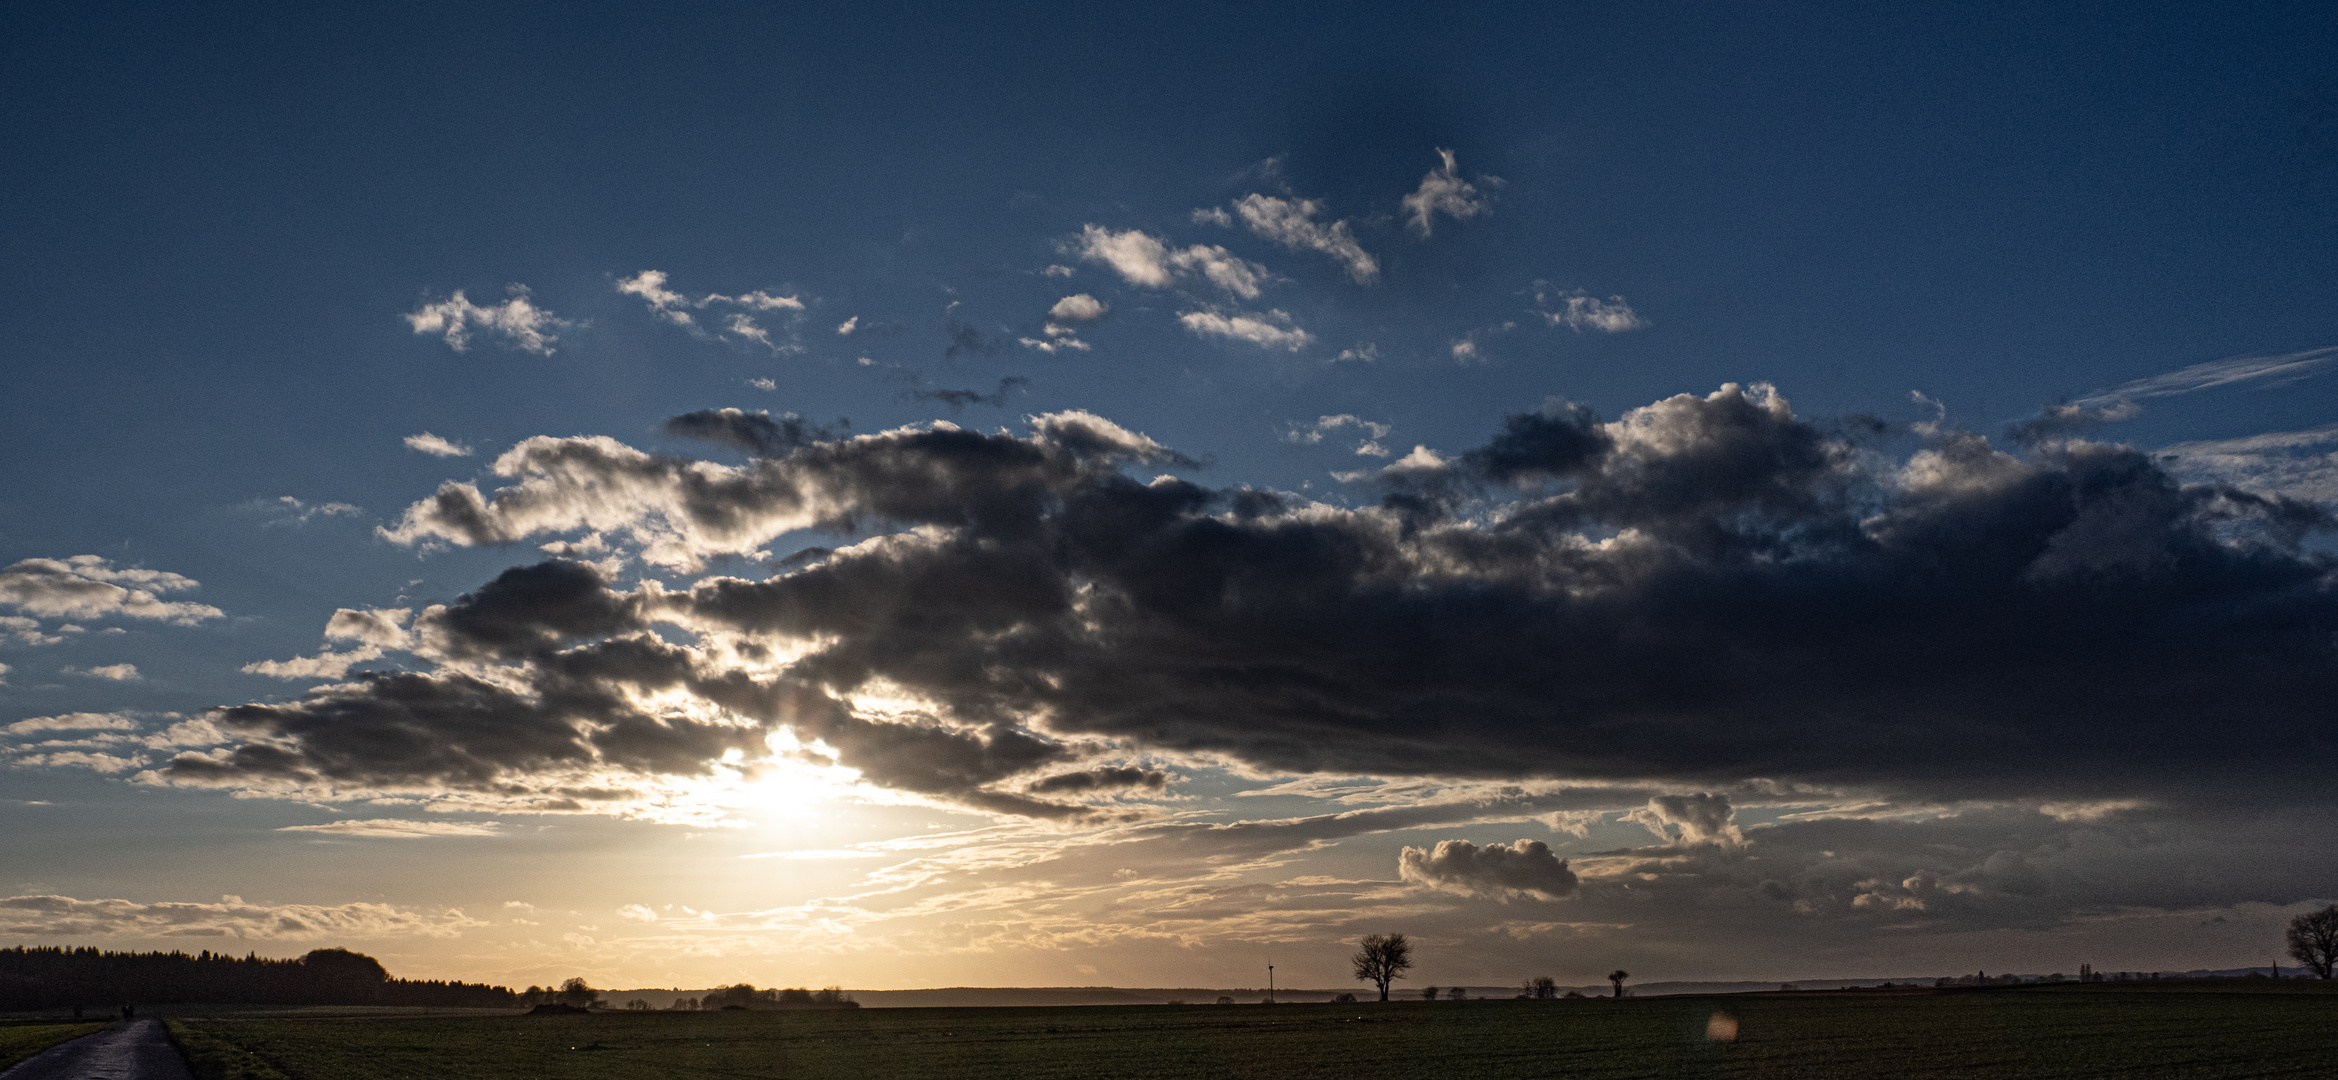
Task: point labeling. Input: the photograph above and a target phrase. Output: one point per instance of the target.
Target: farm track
(138, 1050)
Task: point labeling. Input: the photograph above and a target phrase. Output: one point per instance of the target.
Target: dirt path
(138, 1050)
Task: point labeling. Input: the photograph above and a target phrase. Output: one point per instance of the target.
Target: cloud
(637, 913)
(2263, 371)
(88, 587)
(1312, 434)
(65, 917)
(109, 672)
(766, 385)
(1057, 271)
(735, 325)
(957, 400)
(1213, 215)
(1078, 307)
(845, 328)
(397, 829)
(4, 674)
(16, 629)
(2289, 464)
(1524, 870)
(1702, 818)
(436, 446)
(1147, 262)
(81, 721)
(1291, 223)
(1576, 310)
(755, 432)
(1272, 330)
(375, 630)
(286, 511)
(1443, 191)
(1365, 352)
(1701, 592)
(1058, 338)
(1108, 778)
(518, 321)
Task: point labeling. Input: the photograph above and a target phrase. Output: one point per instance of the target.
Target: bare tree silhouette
(1383, 960)
(2313, 940)
(1617, 977)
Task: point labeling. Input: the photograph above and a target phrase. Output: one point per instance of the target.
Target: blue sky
(235, 233)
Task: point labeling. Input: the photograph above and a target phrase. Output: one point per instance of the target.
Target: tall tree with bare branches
(2313, 940)
(1383, 960)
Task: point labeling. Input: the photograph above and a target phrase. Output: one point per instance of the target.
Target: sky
(1054, 495)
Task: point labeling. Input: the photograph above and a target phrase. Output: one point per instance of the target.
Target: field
(2098, 1032)
(20, 1041)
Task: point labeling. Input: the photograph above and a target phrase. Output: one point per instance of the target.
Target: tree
(2313, 940)
(575, 992)
(1383, 960)
(1544, 988)
(1428, 993)
(1617, 977)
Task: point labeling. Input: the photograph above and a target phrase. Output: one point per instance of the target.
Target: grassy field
(20, 1041)
(2097, 1032)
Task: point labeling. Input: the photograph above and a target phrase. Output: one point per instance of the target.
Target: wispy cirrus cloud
(2262, 371)
(1443, 191)
(517, 321)
(733, 317)
(1292, 223)
(400, 829)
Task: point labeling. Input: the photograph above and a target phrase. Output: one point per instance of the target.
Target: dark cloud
(957, 400)
(965, 339)
(1526, 869)
(753, 432)
(1110, 778)
(1704, 590)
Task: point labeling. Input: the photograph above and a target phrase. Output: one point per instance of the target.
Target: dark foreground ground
(2091, 1032)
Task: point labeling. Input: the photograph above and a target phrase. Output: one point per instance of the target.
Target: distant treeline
(47, 978)
(745, 996)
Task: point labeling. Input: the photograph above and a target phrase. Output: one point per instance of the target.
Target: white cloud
(436, 446)
(763, 384)
(1139, 259)
(1291, 223)
(673, 307)
(1059, 338)
(88, 586)
(846, 327)
(1365, 351)
(1702, 818)
(1272, 330)
(1524, 870)
(375, 630)
(1369, 446)
(2263, 370)
(1213, 215)
(1464, 350)
(517, 320)
(1147, 262)
(2298, 464)
(1078, 307)
(231, 917)
(1575, 310)
(1443, 191)
(637, 913)
(3, 674)
(80, 721)
(83, 759)
(111, 672)
(396, 829)
(1057, 271)
(18, 630)
(288, 511)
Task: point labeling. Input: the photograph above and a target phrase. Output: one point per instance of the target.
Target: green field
(2097, 1032)
(20, 1041)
